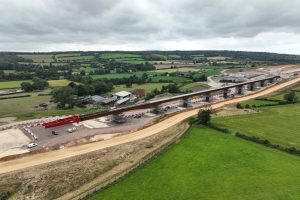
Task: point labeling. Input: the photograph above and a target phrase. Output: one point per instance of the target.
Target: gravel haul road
(52, 156)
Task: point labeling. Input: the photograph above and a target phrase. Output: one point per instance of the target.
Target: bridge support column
(225, 94)
(208, 98)
(252, 87)
(186, 103)
(240, 90)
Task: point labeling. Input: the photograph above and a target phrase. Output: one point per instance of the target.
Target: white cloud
(56, 25)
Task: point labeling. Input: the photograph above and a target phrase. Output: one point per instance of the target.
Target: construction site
(55, 133)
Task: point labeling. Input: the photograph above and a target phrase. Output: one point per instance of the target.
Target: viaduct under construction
(239, 88)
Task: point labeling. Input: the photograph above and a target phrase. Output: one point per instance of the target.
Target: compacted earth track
(47, 157)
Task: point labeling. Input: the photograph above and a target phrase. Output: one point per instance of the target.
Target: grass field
(258, 102)
(23, 108)
(278, 124)
(115, 75)
(74, 58)
(194, 87)
(183, 69)
(280, 96)
(39, 58)
(156, 76)
(17, 84)
(148, 87)
(119, 55)
(13, 107)
(171, 79)
(58, 83)
(54, 112)
(9, 71)
(124, 57)
(11, 84)
(87, 69)
(208, 165)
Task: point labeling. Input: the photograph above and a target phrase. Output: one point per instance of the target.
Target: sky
(99, 25)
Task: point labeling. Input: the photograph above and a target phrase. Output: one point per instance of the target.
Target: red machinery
(60, 122)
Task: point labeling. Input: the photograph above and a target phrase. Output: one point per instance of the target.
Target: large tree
(291, 97)
(26, 86)
(64, 96)
(204, 116)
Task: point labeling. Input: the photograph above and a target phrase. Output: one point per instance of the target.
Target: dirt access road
(43, 158)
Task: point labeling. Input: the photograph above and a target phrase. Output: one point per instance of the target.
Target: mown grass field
(208, 165)
(58, 83)
(11, 84)
(13, 107)
(148, 87)
(279, 124)
(17, 84)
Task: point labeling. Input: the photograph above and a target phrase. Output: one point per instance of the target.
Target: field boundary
(118, 176)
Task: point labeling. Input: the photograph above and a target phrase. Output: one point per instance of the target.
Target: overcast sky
(57, 25)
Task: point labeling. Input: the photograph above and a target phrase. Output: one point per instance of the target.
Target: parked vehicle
(54, 132)
(31, 145)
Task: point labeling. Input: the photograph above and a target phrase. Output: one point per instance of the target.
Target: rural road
(47, 157)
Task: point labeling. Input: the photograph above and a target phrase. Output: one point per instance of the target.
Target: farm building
(97, 99)
(109, 100)
(123, 95)
(121, 101)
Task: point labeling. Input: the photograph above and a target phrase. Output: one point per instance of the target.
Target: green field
(280, 96)
(74, 58)
(39, 58)
(17, 84)
(87, 69)
(258, 102)
(58, 83)
(182, 69)
(9, 71)
(124, 57)
(11, 84)
(13, 107)
(171, 79)
(54, 112)
(148, 87)
(194, 87)
(119, 55)
(208, 165)
(116, 75)
(155, 76)
(278, 124)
